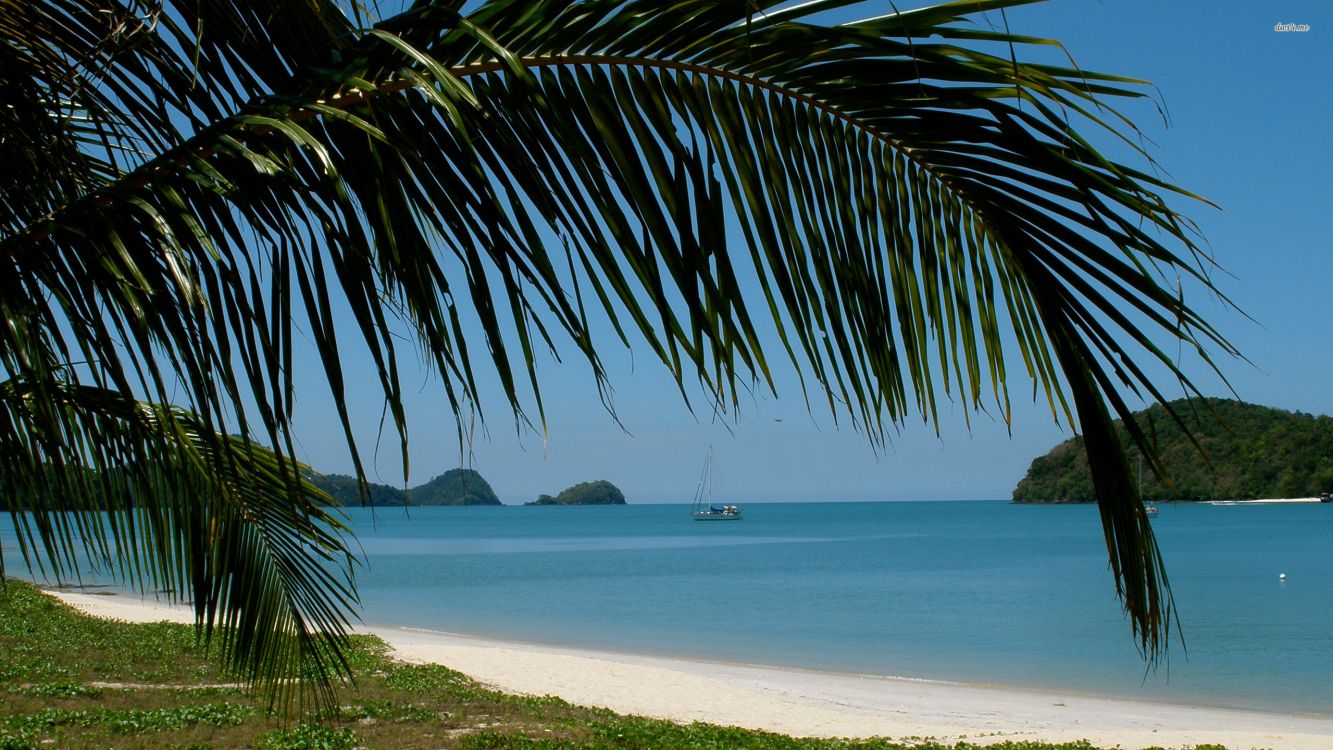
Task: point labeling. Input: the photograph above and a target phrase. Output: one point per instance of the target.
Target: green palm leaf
(909, 195)
(148, 492)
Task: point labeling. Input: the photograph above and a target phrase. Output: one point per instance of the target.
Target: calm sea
(983, 592)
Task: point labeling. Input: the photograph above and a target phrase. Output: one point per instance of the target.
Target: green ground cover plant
(72, 681)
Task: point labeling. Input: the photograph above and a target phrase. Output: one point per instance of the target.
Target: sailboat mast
(710, 476)
(705, 478)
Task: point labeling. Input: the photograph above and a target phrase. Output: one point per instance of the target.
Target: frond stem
(493, 66)
(180, 155)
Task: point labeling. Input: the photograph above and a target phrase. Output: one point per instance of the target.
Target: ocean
(982, 592)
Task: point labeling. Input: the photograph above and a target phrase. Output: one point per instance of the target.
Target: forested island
(344, 491)
(459, 487)
(1251, 452)
(453, 487)
(600, 492)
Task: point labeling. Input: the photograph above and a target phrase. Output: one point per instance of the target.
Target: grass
(72, 681)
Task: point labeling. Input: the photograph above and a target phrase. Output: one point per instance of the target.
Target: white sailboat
(704, 509)
(1149, 507)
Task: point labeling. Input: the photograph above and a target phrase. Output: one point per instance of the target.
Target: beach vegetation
(309, 737)
(390, 705)
(204, 199)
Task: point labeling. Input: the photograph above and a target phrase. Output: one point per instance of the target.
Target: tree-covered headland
(1243, 451)
(453, 487)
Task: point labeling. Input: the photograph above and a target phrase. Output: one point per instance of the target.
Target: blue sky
(1250, 111)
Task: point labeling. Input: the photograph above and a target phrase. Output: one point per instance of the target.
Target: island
(600, 492)
(345, 491)
(453, 487)
(1248, 451)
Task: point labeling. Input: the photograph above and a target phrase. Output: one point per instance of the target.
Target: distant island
(453, 487)
(1253, 452)
(344, 491)
(600, 492)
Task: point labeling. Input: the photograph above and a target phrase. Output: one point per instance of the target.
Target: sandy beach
(808, 703)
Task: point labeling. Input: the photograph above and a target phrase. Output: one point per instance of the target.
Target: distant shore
(807, 703)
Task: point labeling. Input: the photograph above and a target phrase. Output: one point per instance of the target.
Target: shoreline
(1054, 693)
(804, 702)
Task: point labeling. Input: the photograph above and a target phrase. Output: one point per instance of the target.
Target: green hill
(1252, 452)
(454, 487)
(600, 492)
(344, 491)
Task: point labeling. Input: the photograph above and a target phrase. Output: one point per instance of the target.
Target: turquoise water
(985, 592)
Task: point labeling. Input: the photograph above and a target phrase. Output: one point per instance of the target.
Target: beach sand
(809, 703)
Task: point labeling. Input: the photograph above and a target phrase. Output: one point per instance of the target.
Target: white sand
(811, 703)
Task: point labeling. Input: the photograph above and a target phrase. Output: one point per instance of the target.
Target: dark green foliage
(346, 491)
(52, 491)
(454, 487)
(61, 690)
(309, 737)
(136, 721)
(11, 739)
(600, 492)
(1248, 452)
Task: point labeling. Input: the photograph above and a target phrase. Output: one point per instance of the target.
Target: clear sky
(1251, 129)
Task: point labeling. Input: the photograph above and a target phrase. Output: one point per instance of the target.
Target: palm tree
(191, 187)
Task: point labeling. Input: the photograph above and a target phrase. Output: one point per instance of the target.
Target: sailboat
(1149, 508)
(704, 509)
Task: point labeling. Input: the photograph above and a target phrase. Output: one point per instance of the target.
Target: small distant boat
(718, 513)
(1149, 509)
(704, 509)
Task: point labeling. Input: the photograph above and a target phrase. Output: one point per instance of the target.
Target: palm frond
(913, 198)
(145, 491)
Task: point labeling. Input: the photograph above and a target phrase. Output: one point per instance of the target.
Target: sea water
(977, 592)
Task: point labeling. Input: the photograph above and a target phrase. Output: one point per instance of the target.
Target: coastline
(805, 703)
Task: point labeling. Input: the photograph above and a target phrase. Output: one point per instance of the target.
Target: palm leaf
(145, 491)
(912, 198)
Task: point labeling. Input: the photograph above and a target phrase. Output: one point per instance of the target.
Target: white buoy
(1282, 576)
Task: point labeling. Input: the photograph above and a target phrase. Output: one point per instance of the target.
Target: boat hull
(706, 516)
